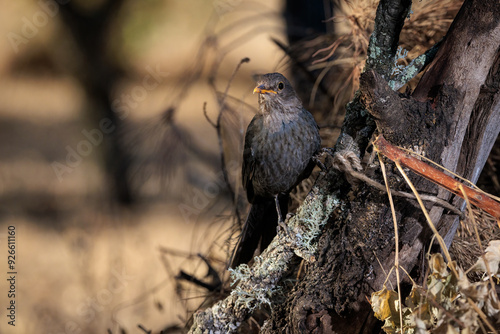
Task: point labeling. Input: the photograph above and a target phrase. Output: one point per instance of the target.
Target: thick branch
(358, 125)
(381, 102)
(483, 126)
(402, 119)
(384, 40)
(347, 269)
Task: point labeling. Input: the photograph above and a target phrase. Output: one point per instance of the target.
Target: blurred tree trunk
(98, 73)
(306, 20)
(452, 117)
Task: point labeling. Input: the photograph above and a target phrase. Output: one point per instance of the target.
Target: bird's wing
(249, 159)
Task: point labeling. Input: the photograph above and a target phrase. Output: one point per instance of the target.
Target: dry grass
(428, 24)
(465, 248)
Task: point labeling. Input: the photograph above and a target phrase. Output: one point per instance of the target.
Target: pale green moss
(262, 287)
(401, 53)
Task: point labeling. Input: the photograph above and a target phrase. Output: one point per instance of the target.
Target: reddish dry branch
(476, 198)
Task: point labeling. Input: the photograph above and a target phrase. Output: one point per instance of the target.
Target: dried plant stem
(426, 214)
(486, 263)
(218, 127)
(396, 237)
(481, 315)
(441, 242)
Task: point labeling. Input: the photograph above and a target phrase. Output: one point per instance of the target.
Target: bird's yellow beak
(260, 89)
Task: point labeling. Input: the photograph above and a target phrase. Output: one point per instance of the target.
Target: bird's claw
(318, 162)
(282, 226)
(317, 157)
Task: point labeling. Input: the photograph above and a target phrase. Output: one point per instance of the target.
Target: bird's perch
(257, 284)
(477, 198)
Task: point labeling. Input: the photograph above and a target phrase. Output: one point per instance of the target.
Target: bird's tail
(260, 225)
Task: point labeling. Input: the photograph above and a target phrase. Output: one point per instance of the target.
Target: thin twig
(219, 135)
(481, 314)
(206, 115)
(222, 102)
(144, 329)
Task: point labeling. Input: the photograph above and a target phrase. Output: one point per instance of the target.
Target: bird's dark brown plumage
(280, 143)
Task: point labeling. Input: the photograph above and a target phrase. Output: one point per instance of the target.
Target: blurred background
(121, 127)
(109, 170)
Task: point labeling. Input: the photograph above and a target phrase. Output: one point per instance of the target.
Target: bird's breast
(283, 150)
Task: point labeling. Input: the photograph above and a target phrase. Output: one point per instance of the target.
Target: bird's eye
(281, 85)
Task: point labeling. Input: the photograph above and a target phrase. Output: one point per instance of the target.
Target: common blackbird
(280, 143)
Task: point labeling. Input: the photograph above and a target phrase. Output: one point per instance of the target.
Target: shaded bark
(384, 40)
(358, 125)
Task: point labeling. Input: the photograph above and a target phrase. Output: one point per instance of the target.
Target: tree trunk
(452, 118)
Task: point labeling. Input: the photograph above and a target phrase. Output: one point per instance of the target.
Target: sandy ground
(82, 265)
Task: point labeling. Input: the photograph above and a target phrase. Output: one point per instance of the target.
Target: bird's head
(276, 94)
